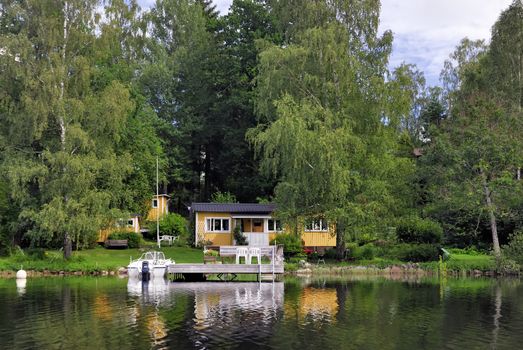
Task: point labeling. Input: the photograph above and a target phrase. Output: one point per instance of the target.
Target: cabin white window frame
(277, 227)
(210, 224)
(155, 203)
(317, 225)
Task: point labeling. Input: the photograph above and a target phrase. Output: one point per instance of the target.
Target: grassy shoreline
(100, 261)
(97, 260)
(458, 264)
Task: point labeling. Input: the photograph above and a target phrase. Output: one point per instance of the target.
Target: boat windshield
(153, 256)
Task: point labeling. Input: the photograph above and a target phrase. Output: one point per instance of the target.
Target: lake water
(348, 313)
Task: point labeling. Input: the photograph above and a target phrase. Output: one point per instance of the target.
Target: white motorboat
(157, 264)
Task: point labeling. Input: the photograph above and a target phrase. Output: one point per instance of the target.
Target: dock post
(273, 257)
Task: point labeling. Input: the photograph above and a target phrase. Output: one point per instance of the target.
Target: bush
(514, 249)
(133, 239)
(415, 252)
(36, 253)
(211, 252)
(508, 267)
(172, 224)
(292, 244)
(239, 237)
(330, 254)
(366, 252)
(417, 230)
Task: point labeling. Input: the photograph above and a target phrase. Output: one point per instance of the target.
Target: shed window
(155, 203)
(317, 225)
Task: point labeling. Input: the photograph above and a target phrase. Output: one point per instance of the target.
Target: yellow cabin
(159, 205)
(215, 222)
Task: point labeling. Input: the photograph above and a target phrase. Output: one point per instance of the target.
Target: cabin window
(217, 225)
(155, 203)
(317, 225)
(130, 222)
(274, 225)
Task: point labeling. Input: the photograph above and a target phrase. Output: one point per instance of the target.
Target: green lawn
(482, 262)
(97, 259)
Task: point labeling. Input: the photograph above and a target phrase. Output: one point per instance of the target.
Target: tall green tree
(67, 156)
(202, 85)
(506, 54)
(477, 152)
(320, 100)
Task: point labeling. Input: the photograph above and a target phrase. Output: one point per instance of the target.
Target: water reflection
(348, 313)
(225, 314)
(153, 291)
(497, 316)
(20, 286)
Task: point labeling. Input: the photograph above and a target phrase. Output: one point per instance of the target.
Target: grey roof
(234, 207)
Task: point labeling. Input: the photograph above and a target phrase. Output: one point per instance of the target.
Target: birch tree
(62, 130)
(321, 100)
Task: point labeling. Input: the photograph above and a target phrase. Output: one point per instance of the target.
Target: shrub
(298, 257)
(415, 252)
(508, 267)
(133, 239)
(514, 249)
(203, 243)
(211, 252)
(292, 244)
(417, 230)
(239, 237)
(171, 224)
(366, 252)
(330, 254)
(36, 253)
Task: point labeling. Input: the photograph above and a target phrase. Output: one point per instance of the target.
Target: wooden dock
(210, 269)
(198, 272)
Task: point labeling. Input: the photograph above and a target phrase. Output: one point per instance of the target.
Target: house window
(274, 225)
(155, 203)
(317, 225)
(217, 225)
(130, 222)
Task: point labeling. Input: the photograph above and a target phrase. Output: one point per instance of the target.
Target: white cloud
(427, 31)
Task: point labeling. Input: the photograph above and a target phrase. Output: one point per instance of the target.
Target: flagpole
(157, 207)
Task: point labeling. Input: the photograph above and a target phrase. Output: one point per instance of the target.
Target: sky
(426, 31)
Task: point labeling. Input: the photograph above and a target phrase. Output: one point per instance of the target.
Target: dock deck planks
(224, 268)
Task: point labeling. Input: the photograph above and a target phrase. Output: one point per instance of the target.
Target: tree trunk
(207, 170)
(492, 217)
(61, 121)
(68, 247)
(340, 241)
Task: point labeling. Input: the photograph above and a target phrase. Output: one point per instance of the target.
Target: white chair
(168, 238)
(242, 251)
(254, 252)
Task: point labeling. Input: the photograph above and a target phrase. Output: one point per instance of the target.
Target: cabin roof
(251, 208)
